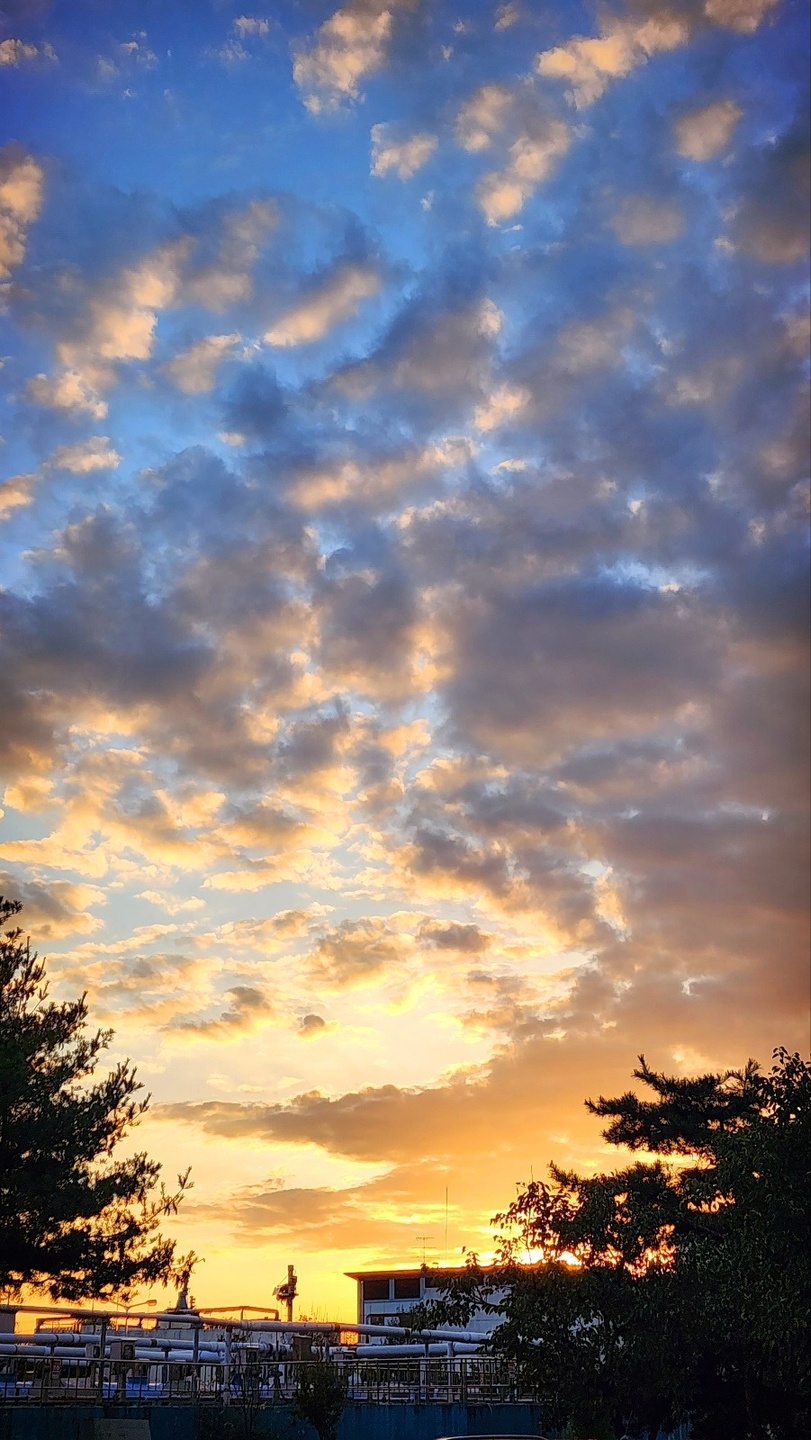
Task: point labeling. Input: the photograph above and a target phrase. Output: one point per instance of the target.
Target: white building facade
(384, 1296)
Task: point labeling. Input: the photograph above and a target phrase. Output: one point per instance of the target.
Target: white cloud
(19, 52)
(251, 25)
(118, 326)
(483, 116)
(744, 16)
(97, 453)
(703, 134)
(194, 370)
(590, 63)
(338, 299)
(352, 44)
(68, 391)
(504, 404)
(507, 15)
(530, 159)
(21, 184)
(17, 492)
(405, 157)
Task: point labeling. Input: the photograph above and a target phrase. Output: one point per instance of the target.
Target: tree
(74, 1219)
(320, 1397)
(691, 1288)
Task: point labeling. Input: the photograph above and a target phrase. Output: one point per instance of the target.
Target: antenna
(446, 1225)
(424, 1239)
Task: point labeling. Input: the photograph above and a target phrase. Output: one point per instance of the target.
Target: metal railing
(440, 1380)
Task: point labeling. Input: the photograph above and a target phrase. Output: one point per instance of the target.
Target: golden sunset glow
(403, 610)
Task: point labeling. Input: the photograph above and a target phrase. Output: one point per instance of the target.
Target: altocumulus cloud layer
(404, 617)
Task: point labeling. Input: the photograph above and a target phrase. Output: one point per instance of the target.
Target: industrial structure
(230, 1355)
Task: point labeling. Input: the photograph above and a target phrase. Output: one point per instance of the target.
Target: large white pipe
(326, 1327)
(192, 1319)
(389, 1352)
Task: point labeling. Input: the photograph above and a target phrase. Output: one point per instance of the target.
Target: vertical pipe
(195, 1358)
(102, 1349)
(226, 1370)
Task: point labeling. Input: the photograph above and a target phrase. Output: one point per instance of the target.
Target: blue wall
(359, 1422)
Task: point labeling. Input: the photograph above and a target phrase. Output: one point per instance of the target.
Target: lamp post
(132, 1304)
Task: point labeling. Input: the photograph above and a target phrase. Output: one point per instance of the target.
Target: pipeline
(197, 1320)
(396, 1352)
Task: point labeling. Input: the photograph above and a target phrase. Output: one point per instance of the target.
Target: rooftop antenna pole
(424, 1239)
(446, 1225)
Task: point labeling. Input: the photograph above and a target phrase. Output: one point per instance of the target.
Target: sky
(403, 621)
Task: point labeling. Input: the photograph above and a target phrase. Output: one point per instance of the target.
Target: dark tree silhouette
(320, 1397)
(692, 1295)
(74, 1220)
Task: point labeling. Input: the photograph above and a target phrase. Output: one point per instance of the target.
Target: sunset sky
(403, 614)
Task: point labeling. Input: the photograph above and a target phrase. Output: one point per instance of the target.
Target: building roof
(389, 1271)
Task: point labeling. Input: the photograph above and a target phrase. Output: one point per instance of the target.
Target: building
(384, 1296)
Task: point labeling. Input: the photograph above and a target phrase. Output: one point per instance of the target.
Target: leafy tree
(320, 1397)
(691, 1291)
(74, 1219)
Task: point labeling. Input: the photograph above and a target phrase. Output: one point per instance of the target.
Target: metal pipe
(193, 1318)
(386, 1352)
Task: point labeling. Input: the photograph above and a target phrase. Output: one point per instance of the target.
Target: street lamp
(132, 1304)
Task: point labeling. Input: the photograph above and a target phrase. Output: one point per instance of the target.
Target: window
(377, 1289)
(406, 1287)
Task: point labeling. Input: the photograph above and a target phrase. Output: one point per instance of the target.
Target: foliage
(690, 1295)
(73, 1219)
(320, 1397)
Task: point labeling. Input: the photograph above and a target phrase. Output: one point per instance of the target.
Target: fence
(440, 1380)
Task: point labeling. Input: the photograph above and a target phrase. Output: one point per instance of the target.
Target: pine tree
(74, 1220)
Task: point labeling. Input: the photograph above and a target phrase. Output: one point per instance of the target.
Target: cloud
(771, 221)
(82, 458)
(434, 355)
(641, 220)
(467, 938)
(354, 952)
(507, 15)
(54, 910)
(438, 694)
(248, 1010)
(329, 302)
(530, 160)
(745, 16)
(351, 45)
(312, 1025)
(251, 25)
(20, 52)
(594, 638)
(194, 370)
(21, 193)
(219, 272)
(96, 453)
(483, 116)
(377, 481)
(116, 327)
(588, 65)
(532, 140)
(17, 491)
(405, 157)
(704, 133)
(69, 391)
